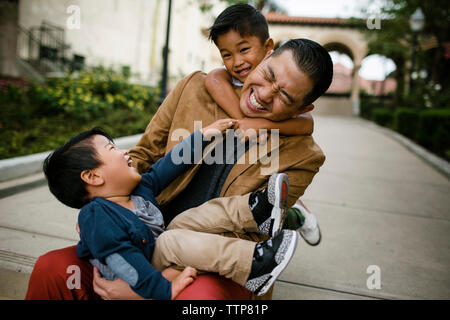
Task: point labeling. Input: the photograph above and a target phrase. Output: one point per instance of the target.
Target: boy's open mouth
(243, 72)
(129, 162)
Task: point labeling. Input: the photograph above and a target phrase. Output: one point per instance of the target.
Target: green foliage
(434, 131)
(383, 116)
(426, 94)
(42, 117)
(406, 122)
(395, 40)
(90, 94)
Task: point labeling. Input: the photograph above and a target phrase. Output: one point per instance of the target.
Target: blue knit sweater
(116, 237)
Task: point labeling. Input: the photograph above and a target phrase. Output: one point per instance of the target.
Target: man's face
(242, 54)
(275, 89)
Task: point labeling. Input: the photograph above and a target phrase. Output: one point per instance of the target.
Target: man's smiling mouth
(254, 104)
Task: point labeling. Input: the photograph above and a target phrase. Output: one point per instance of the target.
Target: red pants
(50, 277)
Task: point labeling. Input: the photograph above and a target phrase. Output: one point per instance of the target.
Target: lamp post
(162, 95)
(416, 22)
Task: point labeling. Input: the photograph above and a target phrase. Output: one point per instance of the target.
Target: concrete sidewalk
(378, 204)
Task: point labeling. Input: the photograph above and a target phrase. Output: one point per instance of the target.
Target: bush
(43, 117)
(92, 93)
(434, 131)
(383, 116)
(406, 122)
(365, 108)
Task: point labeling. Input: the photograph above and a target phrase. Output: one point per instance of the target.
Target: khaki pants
(192, 239)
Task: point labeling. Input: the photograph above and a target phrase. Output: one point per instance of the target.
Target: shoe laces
(261, 247)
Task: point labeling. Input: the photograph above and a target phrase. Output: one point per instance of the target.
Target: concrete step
(13, 285)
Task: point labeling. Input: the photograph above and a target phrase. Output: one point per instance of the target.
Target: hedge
(434, 131)
(429, 128)
(406, 122)
(383, 116)
(41, 117)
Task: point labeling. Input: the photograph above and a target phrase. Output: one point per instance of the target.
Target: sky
(323, 8)
(374, 67)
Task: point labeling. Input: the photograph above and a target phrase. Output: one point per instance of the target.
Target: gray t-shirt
(148, 213)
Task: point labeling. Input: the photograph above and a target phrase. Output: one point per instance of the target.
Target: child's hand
(217, 127)
(184, 279)
(252, 123)
(249, 128)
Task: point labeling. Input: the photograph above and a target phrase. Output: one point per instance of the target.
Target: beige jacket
(298, 156)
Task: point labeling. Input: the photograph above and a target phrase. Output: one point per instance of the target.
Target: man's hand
(113, 290)
(184, 279)
(170, 273)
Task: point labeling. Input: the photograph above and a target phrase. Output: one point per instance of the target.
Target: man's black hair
(64, 165)
(242, 18)
(315, 61)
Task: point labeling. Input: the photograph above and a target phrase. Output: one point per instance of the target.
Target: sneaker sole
(281, 266)
(278, 194)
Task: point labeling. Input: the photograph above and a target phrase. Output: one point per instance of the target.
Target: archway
(376, 75)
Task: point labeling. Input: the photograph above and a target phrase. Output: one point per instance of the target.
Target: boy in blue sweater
(122, 229)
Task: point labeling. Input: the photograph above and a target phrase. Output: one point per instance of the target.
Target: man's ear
(92, 178)
(268, 46)
(306, 109)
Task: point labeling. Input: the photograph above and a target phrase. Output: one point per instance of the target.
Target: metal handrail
(44, 50)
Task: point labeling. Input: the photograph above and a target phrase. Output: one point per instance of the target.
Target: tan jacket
(299, 156)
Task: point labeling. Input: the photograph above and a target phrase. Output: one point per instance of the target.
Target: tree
(394, 40)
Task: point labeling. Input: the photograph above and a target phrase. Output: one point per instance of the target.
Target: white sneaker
(310, 230)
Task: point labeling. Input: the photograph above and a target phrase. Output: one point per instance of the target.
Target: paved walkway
(379, 206)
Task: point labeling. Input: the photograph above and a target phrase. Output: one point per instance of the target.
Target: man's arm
(152, 145)
(218, 84)
(121, 290)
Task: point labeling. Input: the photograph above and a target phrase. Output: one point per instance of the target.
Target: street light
(165, 58)
(416, 22)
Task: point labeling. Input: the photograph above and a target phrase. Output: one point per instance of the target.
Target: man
(282, 86)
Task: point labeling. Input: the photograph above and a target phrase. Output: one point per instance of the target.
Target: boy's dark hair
(242, 18)
(64, 165)
(314, 61)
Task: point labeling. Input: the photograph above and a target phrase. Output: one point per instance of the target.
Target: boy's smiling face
(116, 168)
(241, 54)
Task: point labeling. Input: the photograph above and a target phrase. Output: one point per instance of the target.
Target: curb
(18, 167)
(441, 165)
